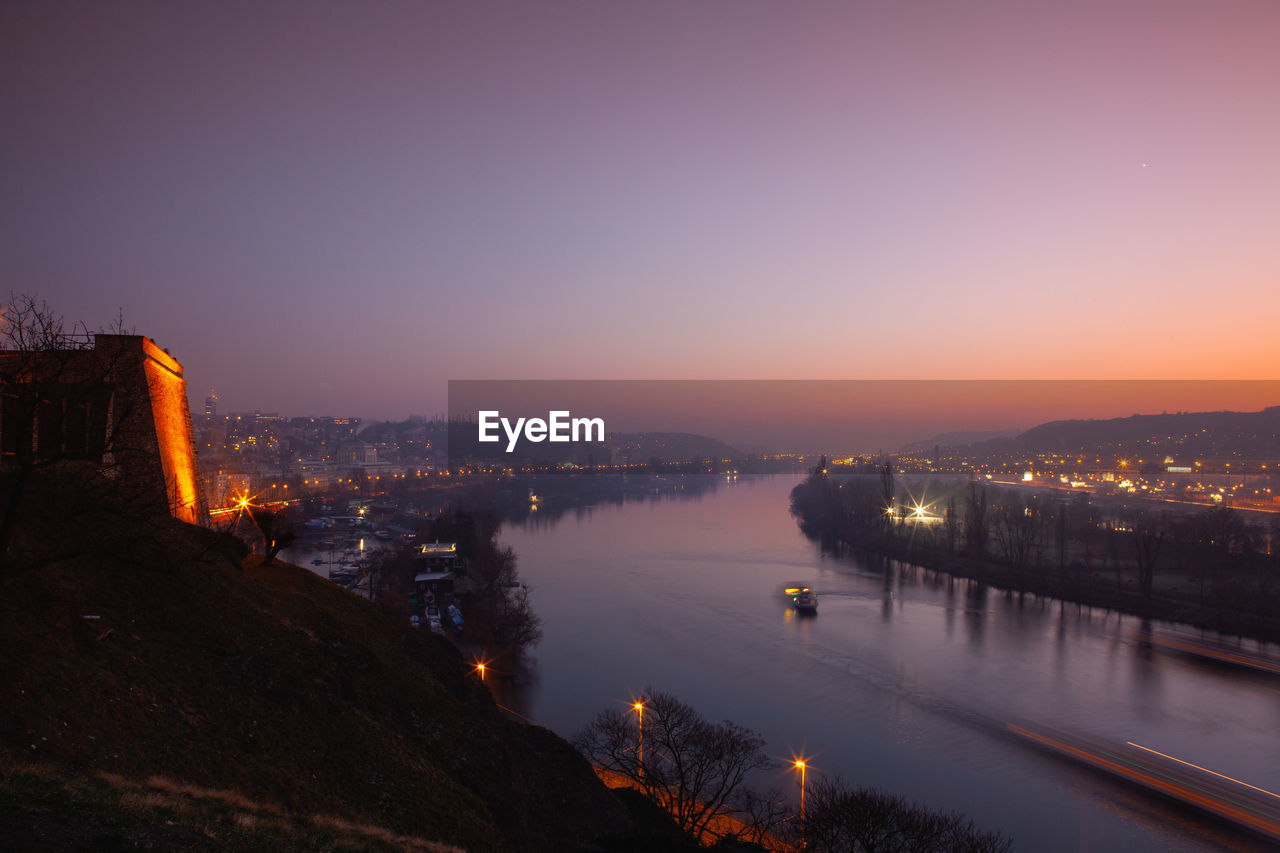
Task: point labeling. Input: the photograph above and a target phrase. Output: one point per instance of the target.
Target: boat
(804, 601)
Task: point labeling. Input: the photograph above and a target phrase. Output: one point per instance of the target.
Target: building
(438, 566)
(357, 453)
(211, 405)
(120, 405)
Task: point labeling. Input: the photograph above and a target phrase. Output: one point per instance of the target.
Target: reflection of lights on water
(361, 543)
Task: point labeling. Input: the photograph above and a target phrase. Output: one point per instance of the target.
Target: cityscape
(732, 426)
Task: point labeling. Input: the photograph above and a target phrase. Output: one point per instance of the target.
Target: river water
(905, 680)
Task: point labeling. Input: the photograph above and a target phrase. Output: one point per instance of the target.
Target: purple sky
(335, 208)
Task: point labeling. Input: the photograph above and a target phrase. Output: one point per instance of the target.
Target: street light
(480, 669)
(800, 765)
(639, 708)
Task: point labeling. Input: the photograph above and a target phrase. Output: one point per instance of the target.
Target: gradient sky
(844, 416)
(336, 207)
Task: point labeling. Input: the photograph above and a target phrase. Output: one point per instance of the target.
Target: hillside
(1253, 435)
(274, 688)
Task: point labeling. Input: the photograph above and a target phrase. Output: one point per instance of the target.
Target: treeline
(1212, 568)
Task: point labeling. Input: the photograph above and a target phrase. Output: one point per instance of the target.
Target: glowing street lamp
(639, 708)
(800, 765)
(480, 666)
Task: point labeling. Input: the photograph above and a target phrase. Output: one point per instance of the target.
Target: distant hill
(1253, 435)
(146, 651)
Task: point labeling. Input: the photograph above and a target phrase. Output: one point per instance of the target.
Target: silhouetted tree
(762, 815)
(1017, 531)
(1146, 545)
(975, 520)
(693, 768)
(502, 605)
(276, 532)
(840, 819)
(951, 524)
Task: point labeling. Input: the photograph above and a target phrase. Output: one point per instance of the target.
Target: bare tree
(840, 819)
(951, 524)
(1146, 544)
(975, 521)
(762, 815)
(693, 768)
(1062, 537)
(1017, 532)
(505, 619)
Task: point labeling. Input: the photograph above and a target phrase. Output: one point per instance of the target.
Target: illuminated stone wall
(133, 419)
(167, 392)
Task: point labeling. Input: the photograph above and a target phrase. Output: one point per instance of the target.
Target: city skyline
(327, 210)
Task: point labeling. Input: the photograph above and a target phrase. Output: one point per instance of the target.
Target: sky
(834, 416)
(335, 208)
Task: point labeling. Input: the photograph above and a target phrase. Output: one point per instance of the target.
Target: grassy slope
(275, 684)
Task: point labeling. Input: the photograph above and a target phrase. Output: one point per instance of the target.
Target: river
(905, 680)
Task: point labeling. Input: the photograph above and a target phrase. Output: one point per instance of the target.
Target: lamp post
(800, 765)
(639, 706)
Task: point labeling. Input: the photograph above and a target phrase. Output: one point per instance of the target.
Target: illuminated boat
(803, 599)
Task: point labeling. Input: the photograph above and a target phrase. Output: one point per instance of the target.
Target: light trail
(1205, 769)
(1226, 802)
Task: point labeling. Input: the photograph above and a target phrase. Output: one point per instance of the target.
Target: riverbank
(1230, 598)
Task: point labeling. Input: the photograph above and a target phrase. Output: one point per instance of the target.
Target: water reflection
(909, 678)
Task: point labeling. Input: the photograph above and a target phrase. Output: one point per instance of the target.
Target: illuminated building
(357, 453)
(438, 565)
(121, 406)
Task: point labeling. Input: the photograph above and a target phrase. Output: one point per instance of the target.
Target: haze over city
(325, 208)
